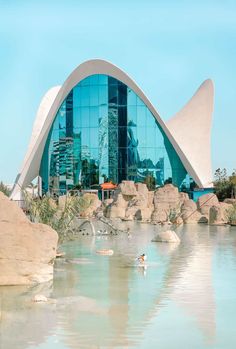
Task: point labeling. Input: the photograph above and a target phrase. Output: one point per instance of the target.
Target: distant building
(99, 126)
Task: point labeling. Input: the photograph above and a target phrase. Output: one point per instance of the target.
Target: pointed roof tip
(205, 91)
(196, 115)
(207, 84)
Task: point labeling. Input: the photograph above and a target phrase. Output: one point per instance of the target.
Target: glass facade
(104, 132)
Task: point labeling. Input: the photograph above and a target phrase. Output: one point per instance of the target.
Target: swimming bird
(142, 258)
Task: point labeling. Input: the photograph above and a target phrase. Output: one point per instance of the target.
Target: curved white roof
(185, 131)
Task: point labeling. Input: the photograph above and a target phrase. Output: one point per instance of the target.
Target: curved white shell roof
(188, 130)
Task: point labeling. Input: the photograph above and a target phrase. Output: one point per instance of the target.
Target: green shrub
(4, 189)
(60, 218)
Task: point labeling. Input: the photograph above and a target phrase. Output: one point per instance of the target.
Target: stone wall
(166, 204)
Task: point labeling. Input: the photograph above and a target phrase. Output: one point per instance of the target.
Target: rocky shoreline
(28, 250)
(133, 201)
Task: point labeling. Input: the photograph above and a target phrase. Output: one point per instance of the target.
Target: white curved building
(100, 126)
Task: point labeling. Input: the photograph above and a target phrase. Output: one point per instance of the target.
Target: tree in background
(4, 189)
(150, 182)
(232, 180)
(225, 186)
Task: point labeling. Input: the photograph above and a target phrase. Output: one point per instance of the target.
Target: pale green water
(186, 298)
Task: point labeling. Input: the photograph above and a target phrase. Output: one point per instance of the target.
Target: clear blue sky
(167, 46)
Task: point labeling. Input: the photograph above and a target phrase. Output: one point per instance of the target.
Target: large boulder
(167, 203)
(219, 215)
(142, 188)
(183, 197)
(143, 214)
(91, 203)
(131, 201)
(166, 236)
(119, 199)
(27, 250)
(115, 212)
(230, 201)
(189, 212)
(167, 197)
(159, 216)
(205, 202)
(140, 200)
(118, 207)
(130, 212)
(128, 188)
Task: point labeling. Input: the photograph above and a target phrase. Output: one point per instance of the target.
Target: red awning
(108, 186)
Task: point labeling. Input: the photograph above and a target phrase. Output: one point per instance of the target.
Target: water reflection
(22, 323)
(110, 302)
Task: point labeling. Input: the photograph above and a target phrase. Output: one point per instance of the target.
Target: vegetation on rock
(60, 217)
(150, 182)
(4, 189)
(231, 215)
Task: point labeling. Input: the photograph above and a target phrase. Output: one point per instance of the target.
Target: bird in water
(129, 234)
(142, 258)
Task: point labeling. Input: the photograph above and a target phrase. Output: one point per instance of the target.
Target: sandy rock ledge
(27, 250)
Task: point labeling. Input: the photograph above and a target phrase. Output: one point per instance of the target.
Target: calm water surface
(184, 298)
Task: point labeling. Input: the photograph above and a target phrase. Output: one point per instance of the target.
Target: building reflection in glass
(103, 131)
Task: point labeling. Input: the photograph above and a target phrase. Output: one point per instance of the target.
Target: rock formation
(218, 214)
(88, 202)
(92, 203)
(189, 212)
(134, 201)
(205, 202)
(131, 201)
(166, 204)
(27, 250)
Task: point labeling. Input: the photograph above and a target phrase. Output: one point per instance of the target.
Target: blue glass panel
(94, 116)
(56, 123)
(77, 117)
(132, 98)
(132, 115)
(62, 116)
(150, 119)
(86, 137)
(103, 79)
(103, 114)
(93, 137)
(150, 136)
(94, 80)
(77, 96)
(103, 131)
(85, 96)
(141, 136)
(103, 95)
(85, 116)
(94, 96)
(141, 116)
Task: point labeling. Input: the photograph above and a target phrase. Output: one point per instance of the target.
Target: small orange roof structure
(108, 186)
